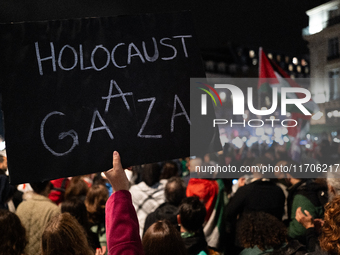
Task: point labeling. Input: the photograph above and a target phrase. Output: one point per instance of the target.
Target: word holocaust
(256, 122)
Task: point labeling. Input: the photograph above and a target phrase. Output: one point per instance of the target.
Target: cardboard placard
(76, 90)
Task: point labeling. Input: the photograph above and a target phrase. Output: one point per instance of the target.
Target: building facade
(323, 34)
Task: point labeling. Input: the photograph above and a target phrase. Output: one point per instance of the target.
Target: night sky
(273, 24)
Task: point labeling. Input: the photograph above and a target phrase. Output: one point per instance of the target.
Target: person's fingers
(308, 214)
(116, 174)
(319, 221)
(116, 161)
(298, 214)
(116, 166)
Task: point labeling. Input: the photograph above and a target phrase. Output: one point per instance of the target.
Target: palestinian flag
(271, 75)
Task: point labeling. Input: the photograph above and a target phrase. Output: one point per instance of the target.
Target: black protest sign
(76, 90)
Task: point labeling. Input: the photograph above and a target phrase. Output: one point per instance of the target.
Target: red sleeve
(122, 229)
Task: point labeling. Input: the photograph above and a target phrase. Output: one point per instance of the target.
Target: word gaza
(104, 127)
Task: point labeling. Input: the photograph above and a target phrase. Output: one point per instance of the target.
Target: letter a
(174, 114)
(104, 126)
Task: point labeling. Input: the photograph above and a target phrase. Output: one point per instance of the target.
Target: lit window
(295, 61)
(251, 53)
(223, 96)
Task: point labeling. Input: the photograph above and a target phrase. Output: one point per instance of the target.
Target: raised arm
(122, 229)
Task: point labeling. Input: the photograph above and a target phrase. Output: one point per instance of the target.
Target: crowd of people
(161, 208)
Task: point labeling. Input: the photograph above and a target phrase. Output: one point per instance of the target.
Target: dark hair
(192, 212)
(95, 203)
(169, 170)
(98, 179)
(330, 235)
(263, 230)
(175, 191)
(163, 238)
(39, 187)
(13, 234)
(64, 235)
(77, 209)
(76, 188)
(151, 174)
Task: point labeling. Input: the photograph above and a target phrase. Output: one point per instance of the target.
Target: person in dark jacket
(191, 218)
(259, 195)
(328, 242)
(174, 193)
(308, 194)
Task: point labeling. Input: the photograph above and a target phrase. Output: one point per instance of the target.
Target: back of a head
(12, 234)
(151, 174)
(76, 188)
(95, 203)
(169, 170)
(330, 235)
(163, 238)
(259, 163)
(263, 230)
(77, 209)
(333, 179)
(64, 235)
(192, 212)
(195, 163)
(175, 191)
(39, 187)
